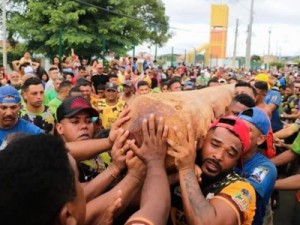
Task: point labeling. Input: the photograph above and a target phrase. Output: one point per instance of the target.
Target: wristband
(111, 173)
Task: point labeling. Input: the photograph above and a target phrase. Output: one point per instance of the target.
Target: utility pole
(155, 56)
(249, 37)
(269, 44)
(4, 48)
(172, 56)
(235, 43)
(195, 55)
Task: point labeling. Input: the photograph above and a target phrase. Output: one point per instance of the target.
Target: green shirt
(53, 105)
(51, 94)
(296, 145)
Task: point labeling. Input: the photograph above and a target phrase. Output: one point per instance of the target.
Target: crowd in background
(76, 92)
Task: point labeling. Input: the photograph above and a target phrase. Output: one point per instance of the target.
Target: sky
(191, 18)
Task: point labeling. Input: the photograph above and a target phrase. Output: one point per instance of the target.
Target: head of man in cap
(10, 104)
(226, 142)
(259, 125)
(111, 93)
(75, 119)
(127, 87)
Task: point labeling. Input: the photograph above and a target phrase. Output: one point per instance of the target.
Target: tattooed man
(219, 196)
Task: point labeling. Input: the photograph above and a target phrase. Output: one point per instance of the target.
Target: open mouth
(212, 166)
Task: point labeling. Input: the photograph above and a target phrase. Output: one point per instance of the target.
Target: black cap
(111, 86)
(73, 105)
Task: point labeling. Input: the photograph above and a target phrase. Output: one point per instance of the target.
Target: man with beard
(34, 110)
(10, 104)
(220, 196)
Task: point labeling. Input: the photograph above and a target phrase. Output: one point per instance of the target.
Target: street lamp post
(195, 55)
(4, 49)
(172, 56)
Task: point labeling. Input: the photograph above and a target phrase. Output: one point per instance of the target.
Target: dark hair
(36, 180)
(244, 99)
(42, 73)
(81, 68)
(68, 73)
(261, 85)
(74, 89)
(52, 68)
(112, 76)
(164, 84)
(283, 87)
(31, 81)
(213, 80)
(64, 84)
(83, 82)
(246, 84)
(173, 81)
(100, 87)
(24, 65)
(142, 83)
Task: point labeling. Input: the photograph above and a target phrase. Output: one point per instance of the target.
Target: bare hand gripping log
(198, 108)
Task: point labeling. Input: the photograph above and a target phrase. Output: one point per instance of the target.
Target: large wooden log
(198, 108)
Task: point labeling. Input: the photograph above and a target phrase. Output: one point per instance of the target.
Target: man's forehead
(85, 87)
(220, 132)
(35, 86)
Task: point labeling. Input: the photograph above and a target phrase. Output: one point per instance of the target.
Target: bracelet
(111, 173)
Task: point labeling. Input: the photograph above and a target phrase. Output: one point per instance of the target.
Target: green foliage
(85, 28)
(278, 65)
(255, 58)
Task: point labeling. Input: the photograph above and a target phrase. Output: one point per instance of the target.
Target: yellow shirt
(109, 113)
(236, 192)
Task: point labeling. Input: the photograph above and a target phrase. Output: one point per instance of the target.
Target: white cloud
(192, 17)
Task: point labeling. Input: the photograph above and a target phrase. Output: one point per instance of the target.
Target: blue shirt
(261, 173)
(275, 98)
(21, 126)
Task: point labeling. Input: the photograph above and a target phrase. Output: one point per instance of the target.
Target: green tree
(86, 26)
(255, 58)
(278, 65)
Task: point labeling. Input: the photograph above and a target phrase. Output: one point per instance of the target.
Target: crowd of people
(65, 158)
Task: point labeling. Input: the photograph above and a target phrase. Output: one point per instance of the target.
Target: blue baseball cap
(9, 94)
(189, 85)
(258, 118)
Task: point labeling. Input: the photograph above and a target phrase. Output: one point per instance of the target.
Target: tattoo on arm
(196, 207)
